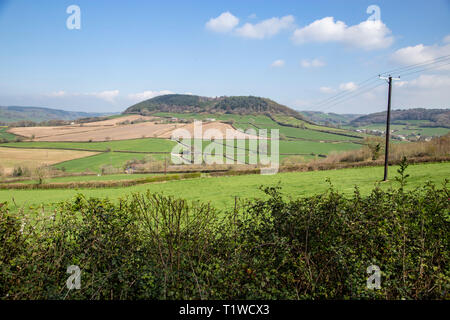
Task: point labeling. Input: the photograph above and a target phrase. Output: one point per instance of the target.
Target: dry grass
(437, 147)
(118, 121)
(34, 158)
(292, 160)
(115, 129)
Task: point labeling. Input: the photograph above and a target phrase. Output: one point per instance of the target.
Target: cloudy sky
(298, 53)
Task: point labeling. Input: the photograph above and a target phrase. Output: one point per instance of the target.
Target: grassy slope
(222, 190)
(264, 122)
(6, 135)
(142, 145)
(407, 130)
(115, 159)
(161, 145)
(314, 147)
(109, 177)
(94, 163)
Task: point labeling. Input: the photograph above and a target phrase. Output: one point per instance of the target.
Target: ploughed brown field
(33, 158)
(116, 129)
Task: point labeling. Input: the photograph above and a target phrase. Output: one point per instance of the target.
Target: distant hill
(329, 118)
(180, 103)
(430, 117)
(38, 114)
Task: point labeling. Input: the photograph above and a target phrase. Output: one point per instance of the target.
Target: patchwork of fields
(31, 158)
(299, 139)
(408, 128)
(122, 138)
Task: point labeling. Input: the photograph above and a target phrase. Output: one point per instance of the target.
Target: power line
(343, 93)
(421, 64)
(416, 71)
(347, 95)
(355, 94)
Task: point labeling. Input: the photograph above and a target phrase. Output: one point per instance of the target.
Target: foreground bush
(155, 247)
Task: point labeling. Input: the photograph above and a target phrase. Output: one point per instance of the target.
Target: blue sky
(294, 52)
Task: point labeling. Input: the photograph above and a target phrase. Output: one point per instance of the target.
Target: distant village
(411, 137)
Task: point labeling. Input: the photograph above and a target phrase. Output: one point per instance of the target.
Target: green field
(6, 136)
(108, 177)
(141, 145)
(299, 147)
(287, 148)
(300, 123)
(221, 191)
(294, 141)
(263, 122)
(95, 162)
(412, 128)
(114, 159)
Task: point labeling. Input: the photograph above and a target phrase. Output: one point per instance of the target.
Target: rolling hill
(181, 103)
(426, 117)
(37, 114)
(329, 118)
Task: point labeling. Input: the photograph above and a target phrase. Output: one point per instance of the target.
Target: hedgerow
(150, 246)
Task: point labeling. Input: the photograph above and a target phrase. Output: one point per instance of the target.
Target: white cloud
(141, 96)
(56, 94)
(223, 23)
(315, 63)
(327, 90)
(108, 95)
(446, 39)
(277, 63)
(426, 81)
(420, 53)
(348, 86)
(266, 28)
(368, 35)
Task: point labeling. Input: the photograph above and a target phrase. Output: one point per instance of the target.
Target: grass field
(94, 163)
(141, 145)
(11, 158)
(264, 122)
(410, 129)
(305, 142)
(109, 177)
(300, 123)
(221, 191)
(6, 136)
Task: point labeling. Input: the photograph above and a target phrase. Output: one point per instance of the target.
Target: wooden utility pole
(388, 126)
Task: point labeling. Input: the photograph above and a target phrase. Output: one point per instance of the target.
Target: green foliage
(429, 117)
(375, 146)
(151, 246)
(21, 171)
(401, 171)
(230, 105)
(6, 136)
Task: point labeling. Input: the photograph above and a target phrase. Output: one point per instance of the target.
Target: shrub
(155, 247)
(21, 171)
(291, 160)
